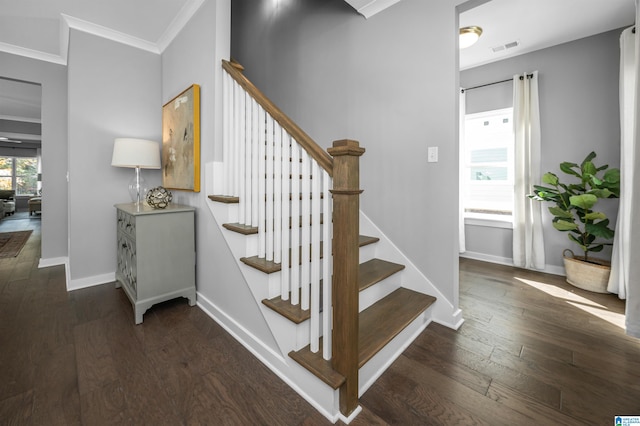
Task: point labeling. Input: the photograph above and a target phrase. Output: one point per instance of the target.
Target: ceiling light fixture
(468, 36)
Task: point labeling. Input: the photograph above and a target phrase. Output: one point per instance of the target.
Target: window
(20, 174)
(488, 165)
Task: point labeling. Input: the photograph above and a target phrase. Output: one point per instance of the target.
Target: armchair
(8, 199)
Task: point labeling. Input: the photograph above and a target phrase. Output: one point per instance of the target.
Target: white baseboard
(90, 281)
(52, 261)
(549, 269)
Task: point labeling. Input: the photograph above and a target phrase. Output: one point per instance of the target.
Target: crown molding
(178, 23)
(108, 33)
(368, 8)
(68, 22)
(33, 54)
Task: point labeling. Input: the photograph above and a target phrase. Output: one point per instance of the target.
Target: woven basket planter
(592, 275)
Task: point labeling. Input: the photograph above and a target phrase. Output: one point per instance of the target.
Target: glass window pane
(489, 173)
(5, 182)
(6, 166)
(489, 155)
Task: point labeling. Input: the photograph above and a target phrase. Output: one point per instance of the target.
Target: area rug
(12, 242)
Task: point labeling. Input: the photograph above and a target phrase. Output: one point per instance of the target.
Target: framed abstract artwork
(181, 141)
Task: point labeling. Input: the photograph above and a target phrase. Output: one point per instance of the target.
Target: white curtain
(463, 111)
(619, 278)
(632, 205)
(528, 243)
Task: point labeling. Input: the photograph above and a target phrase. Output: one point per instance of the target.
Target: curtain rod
(495, 82)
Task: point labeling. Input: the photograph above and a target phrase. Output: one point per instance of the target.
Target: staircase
(294, 224)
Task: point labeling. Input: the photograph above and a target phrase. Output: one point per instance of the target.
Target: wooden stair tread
(378, 325)
(376, 270)
(293, 313)
(269, 267)
(227, 199)
(240, 228)
(385, 319)
(364, 240)
(250, 230)
(318, 366)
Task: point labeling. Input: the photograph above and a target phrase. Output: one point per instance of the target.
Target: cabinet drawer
(127, 224)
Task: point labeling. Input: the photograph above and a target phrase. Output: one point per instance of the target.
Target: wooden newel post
(346, 226)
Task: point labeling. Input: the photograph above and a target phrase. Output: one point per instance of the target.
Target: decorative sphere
(159, 197)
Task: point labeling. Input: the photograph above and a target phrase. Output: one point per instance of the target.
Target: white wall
(579, 113)
(53, 79)
(114, 91)
(389, 82)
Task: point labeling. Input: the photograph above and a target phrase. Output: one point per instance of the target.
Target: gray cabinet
(155, 254)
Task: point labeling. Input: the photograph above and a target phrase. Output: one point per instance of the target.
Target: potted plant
(574, 212)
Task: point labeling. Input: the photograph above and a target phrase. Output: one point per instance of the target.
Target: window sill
(489, 220)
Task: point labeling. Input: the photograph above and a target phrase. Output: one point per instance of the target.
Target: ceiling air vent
(505, 46)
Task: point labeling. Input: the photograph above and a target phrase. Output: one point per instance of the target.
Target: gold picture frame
(181, 141)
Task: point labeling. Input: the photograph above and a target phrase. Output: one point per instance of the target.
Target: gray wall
(579, 113)
(114, 91)
(53, 79)
(389, 82)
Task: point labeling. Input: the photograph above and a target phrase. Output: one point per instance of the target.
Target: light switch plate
(432, 154)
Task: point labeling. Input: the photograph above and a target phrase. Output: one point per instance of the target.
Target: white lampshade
(129, 152)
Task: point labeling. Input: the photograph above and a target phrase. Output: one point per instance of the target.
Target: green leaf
(550, 179)
(584, 201)
(557, 211)
(588, 159)
(595, 216)
(588, 168)
(577, 241)
(568, 169)
(563, 225)
(597, 248)
(600, 229)
(601, 193)
(595, 181)
(612, 176)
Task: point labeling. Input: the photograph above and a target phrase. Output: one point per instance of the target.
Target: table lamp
(137, 154)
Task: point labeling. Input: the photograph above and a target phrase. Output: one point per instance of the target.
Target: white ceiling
(39, 29)
(537, 24)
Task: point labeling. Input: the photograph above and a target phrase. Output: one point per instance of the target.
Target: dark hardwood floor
(533, 351)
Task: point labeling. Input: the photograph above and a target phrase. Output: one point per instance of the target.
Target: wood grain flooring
(533, 351)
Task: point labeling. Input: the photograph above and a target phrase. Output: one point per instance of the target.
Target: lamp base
(138, 188)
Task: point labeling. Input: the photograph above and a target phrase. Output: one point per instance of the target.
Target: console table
(155, 254)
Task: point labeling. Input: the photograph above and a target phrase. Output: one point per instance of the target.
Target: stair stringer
(443, 310)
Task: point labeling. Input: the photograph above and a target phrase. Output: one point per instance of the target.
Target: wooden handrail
(313, 149)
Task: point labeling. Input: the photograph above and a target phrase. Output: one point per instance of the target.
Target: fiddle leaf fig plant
(574, 203)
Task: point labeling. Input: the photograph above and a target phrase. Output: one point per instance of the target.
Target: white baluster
(295, 222)
(234, 141)
(256, 114)
(226, 126)
(305, 229)
(269, 182)
(248, 172)
(327, 266)
(285, 213)
(314, 323)
(241, 166)
(262, 188)
(277, 190)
